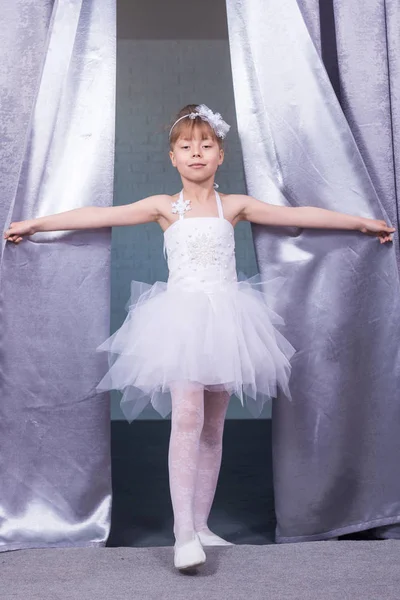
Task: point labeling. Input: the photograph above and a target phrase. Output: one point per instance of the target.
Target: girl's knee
(188, 420)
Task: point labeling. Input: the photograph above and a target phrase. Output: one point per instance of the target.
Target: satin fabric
(311, 15)
(370, 91)
(336, 446)
(370, 98)
(57, 114)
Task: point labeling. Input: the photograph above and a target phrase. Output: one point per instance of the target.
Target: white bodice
(201, 252)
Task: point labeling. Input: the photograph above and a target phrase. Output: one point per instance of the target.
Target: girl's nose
(196, 150)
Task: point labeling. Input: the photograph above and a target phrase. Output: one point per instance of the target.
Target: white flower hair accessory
(215, 120)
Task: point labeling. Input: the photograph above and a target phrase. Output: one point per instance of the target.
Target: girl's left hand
(378, 229)
(17, 230)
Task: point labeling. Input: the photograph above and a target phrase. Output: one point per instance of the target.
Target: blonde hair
(186, 126)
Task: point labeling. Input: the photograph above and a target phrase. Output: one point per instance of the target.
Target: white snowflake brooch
(181, 206)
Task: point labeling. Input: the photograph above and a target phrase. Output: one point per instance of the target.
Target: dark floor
(243, 510)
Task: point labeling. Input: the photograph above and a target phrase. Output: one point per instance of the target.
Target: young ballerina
(190, 343)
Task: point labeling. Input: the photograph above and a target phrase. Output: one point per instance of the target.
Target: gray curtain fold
(336, 446)
(368, 43)
(23, 32)
(56, 154)
(370, 97)
(311, 15)
(392, 13)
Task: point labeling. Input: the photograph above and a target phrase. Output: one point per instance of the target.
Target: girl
(203, 335)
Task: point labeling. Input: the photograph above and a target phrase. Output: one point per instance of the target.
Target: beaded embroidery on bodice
(200, 250)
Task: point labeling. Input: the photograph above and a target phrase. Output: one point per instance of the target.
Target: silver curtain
(370, 90)
(336, 447)
(57, 78)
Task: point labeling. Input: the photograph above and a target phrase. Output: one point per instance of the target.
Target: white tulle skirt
(225, 340)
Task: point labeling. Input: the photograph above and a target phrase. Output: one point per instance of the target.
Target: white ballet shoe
(208, 538)
(189, 555)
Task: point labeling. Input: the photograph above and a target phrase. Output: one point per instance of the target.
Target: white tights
(194, 458)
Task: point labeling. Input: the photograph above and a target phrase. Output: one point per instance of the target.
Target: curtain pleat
(336, 445)
(54, 295)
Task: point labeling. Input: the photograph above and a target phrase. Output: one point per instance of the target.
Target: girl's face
(196, 157)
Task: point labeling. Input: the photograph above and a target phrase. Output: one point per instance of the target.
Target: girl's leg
(186, 426)
(215, 407)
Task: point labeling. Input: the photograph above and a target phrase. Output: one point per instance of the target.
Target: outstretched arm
(311, 217)
(89, 217)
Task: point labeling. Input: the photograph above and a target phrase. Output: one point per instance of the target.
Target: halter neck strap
(219, 205)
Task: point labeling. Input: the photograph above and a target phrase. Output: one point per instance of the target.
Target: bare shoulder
(234, 205)
(159, 202)
(159, 205)
(235, 199)
(164, 202)
(165, 214)
(161, 199)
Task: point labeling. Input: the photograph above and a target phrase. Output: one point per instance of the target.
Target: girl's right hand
(16, 231)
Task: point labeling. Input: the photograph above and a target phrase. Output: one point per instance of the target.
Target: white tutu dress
(201, 327)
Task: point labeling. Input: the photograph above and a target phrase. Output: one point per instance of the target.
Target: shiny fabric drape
(336, 447)
(57, 116)
(370, 90)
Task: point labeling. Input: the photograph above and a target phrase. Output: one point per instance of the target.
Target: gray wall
(168, 55)
(172, 20)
